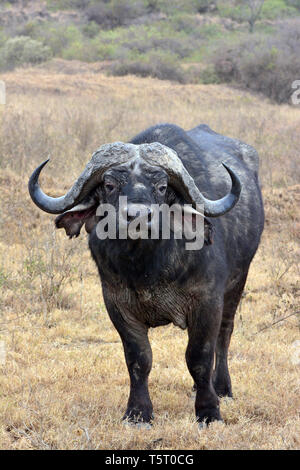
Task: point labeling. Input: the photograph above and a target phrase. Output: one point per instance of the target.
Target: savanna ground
(64, 383)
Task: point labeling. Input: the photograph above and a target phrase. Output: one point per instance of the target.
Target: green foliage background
(181, 40)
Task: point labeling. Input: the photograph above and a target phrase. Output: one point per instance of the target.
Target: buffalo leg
(203, 330)
(138, 357)
(222, 381)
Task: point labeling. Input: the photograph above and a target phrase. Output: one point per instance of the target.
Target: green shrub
(273, 9)
(115, 13)
(3, 38)
(266, 64)
(157, 65)
(175, 6)
(204, 6)
(208, 75)
(294, 3)
(123, 10)
(229, 9)
(68, 4)
(91, 29)
(23, 50)
(183, 22)
(54, 35)
(27, 29)
(134, 42)
(101, 14)
(58, 37)
(240, 11)
(152, 6)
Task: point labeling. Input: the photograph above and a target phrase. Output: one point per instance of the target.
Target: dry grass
(64, 384)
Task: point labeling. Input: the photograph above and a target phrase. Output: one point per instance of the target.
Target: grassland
(64, 383)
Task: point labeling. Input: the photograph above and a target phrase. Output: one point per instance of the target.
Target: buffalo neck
(139, 263)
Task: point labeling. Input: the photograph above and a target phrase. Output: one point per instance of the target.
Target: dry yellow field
(63, 382)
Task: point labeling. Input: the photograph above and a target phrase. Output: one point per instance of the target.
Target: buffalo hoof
(135, 416)
(207, 416)
(138, 424)
(202, 425)
(223, 388)
(228, 400)
(224, 393)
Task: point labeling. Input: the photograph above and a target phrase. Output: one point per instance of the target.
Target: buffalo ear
(207, 230)
(72, 221)
(84, 213)
(173, 197)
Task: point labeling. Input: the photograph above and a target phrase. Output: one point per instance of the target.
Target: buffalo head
(146, 174)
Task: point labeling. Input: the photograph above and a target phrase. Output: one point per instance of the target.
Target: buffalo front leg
(203, 330)
(138, 357)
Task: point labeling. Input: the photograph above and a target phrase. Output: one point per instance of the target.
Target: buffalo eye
(162, 188)
(109, 186)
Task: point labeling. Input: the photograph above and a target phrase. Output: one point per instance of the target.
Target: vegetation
(265, 64)
(22, 50)
(182, 40)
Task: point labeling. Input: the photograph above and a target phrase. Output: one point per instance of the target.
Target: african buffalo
(153, 282)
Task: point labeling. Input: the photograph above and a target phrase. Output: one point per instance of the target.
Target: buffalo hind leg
(138, 355)
(203, 329)
(221, 376)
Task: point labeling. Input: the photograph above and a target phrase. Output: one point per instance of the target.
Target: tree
(254, 8)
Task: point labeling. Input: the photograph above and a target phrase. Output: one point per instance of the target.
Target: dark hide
(148, 283)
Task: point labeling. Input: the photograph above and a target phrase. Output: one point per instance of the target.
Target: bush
(59, 37)
(239, 10)
(204, 6)
(176, 46)
(273, 9)
(171, 7)
(115, 13)
(208, 75)
(152, 6)
(68, 4)
(100, 14)
(229, 9)
(294, 3)
(23, 50)
(90, 29)
(136, 41)
(157, 65)
(3, 38)
(264, 64)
